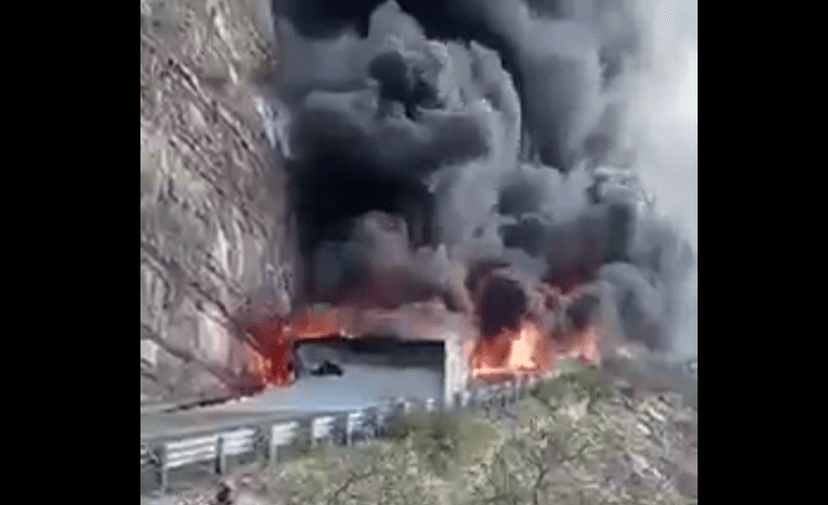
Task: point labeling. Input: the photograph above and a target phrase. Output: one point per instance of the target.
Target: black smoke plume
(471, 128)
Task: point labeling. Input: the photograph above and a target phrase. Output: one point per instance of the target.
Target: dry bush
(570, 442)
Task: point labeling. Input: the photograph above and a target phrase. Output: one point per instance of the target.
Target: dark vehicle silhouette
(326, 368)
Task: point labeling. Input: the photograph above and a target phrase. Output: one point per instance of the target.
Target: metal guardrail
(238, 442)
(191, 450)
(147, 457)
(322, 428)
(347, 428)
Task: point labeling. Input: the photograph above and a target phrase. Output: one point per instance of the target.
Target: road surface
(359, 387)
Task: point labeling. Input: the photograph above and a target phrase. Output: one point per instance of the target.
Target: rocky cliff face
(213, 211)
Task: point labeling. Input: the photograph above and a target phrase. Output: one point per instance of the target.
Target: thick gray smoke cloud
(662, 125)
(480, 122)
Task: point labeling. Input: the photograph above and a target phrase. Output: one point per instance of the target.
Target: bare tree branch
(350, 481)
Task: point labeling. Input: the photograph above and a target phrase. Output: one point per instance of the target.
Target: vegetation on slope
(570, 442)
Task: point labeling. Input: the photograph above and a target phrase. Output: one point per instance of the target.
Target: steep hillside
(571, 442)
(212, 205)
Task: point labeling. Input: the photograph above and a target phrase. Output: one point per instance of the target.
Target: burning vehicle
(326, 368)
(452, 186)
(515, 331)
(444, 190)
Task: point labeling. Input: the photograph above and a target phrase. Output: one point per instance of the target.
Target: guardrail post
(380, 419)
(527, 384)
(281, 435)
(273, 455)
(375, 420)
(342, 431)
(262, 442)
(387, 415)
(322, 430)
(221, 463)
(162, 469)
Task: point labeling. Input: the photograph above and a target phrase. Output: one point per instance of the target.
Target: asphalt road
(358, 387)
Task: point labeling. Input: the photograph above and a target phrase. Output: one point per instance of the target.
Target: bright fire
(533, 349)
(527, 352)
(277, 336)
(584, 346)
(530, 350)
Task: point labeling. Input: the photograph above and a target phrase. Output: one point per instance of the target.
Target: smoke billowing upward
(420, 132)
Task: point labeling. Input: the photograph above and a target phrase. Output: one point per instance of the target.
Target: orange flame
(524, 352)
(585, 345)
(532, 349)
(310, 324)
(510, 353)
(258, 366)
(276, 338)
(529, 351)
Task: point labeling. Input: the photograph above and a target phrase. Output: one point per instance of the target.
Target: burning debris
(444, 162)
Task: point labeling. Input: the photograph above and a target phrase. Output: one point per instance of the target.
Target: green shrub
(573, 384)
(445, 442)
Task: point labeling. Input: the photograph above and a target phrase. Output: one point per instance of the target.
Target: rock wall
(213, 212)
